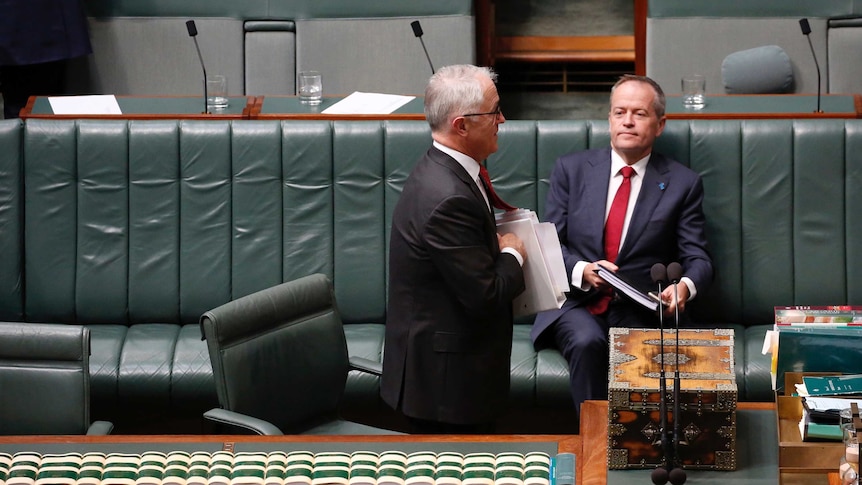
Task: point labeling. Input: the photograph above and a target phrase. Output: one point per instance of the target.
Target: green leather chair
(45, 380)
(280, 361)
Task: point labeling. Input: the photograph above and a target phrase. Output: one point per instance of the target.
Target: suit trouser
(582, 338)
(18, 83)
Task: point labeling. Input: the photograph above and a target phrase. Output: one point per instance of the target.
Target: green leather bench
(135, 228)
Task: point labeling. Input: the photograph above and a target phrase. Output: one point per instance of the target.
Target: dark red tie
(613, 233)
(496, 201)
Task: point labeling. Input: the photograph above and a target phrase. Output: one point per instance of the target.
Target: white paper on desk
(368, 104)
(543, 265)
(829, 403)
(97, 104)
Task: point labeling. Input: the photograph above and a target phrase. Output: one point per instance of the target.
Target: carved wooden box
(707, 398)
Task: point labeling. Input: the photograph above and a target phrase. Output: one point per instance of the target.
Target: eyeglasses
(497, 112)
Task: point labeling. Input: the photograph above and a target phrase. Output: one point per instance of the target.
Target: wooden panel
(609, 48)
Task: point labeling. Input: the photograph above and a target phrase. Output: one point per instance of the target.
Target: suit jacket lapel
(462, 174)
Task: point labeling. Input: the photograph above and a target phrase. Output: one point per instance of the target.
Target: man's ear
(459, 125)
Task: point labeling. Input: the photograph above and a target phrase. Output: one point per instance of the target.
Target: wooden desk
(290, 108)
(149, 108)
(594, 435)
(771, 106)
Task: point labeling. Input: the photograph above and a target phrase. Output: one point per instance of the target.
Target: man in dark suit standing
(37, 38)
(452, 278)
(662, 222)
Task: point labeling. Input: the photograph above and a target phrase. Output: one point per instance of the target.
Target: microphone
(806, 29)
(193, 33)
(417, 31)
(676, 475)
(659, 476)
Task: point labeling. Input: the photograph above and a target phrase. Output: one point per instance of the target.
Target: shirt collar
(617, 163)
(470, 165)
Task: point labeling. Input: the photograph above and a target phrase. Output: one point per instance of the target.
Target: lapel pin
(661, 185)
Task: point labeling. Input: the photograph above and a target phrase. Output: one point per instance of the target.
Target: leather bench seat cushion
(155, 363)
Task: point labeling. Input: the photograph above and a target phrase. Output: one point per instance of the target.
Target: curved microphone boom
(676, 475)
(193, 33)
(659, 476)
(417, 31)
(806, 30)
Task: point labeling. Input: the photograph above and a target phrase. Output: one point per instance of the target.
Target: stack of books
(800, 335)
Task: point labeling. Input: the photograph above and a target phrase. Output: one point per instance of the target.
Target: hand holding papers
(627, 289)
(544, 270)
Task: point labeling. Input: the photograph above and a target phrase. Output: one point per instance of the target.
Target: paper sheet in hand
(544, 270)
(98, 104)
(368, 104)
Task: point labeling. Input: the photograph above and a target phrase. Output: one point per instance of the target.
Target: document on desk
(544, 269)
(368, 104)
(98, 104)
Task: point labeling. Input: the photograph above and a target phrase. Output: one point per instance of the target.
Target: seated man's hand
(682, 297)
(592, 279)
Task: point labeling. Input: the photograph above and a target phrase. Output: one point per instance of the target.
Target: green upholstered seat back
(11, 229)
(280, 354)
(159, 221)
(45, 380)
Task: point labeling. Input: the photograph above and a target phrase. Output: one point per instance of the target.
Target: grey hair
(659, 103)
(454, 90)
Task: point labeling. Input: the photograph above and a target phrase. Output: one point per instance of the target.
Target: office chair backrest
(280, 354)
(44, 379)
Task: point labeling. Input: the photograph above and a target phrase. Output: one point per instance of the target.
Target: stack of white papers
(544, 270)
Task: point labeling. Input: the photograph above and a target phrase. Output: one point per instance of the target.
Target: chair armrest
(232, 418)
(100, 428)
(366, 365)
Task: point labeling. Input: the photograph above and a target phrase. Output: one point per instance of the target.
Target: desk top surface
(290, 107)
(769, 106)
(149, 107)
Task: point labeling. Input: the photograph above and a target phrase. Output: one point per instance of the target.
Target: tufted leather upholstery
(136, 228)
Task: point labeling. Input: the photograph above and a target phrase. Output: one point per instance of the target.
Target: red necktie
(614, 232)
(496, 201)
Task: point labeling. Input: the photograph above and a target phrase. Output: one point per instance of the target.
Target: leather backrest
(160, 221)
(11, 214)
(44, 377)
(280, 354)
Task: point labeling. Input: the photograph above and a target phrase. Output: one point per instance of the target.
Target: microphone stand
(193, 33)
(659, 476)
(666, 448)
(417, 31)
(676, 475)
(676, 383)
(818, 72)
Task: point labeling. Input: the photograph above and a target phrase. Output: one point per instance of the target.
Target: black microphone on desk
(417, 31)
(659, 476)
(193, 33)
(676, 475)
(806, 30)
